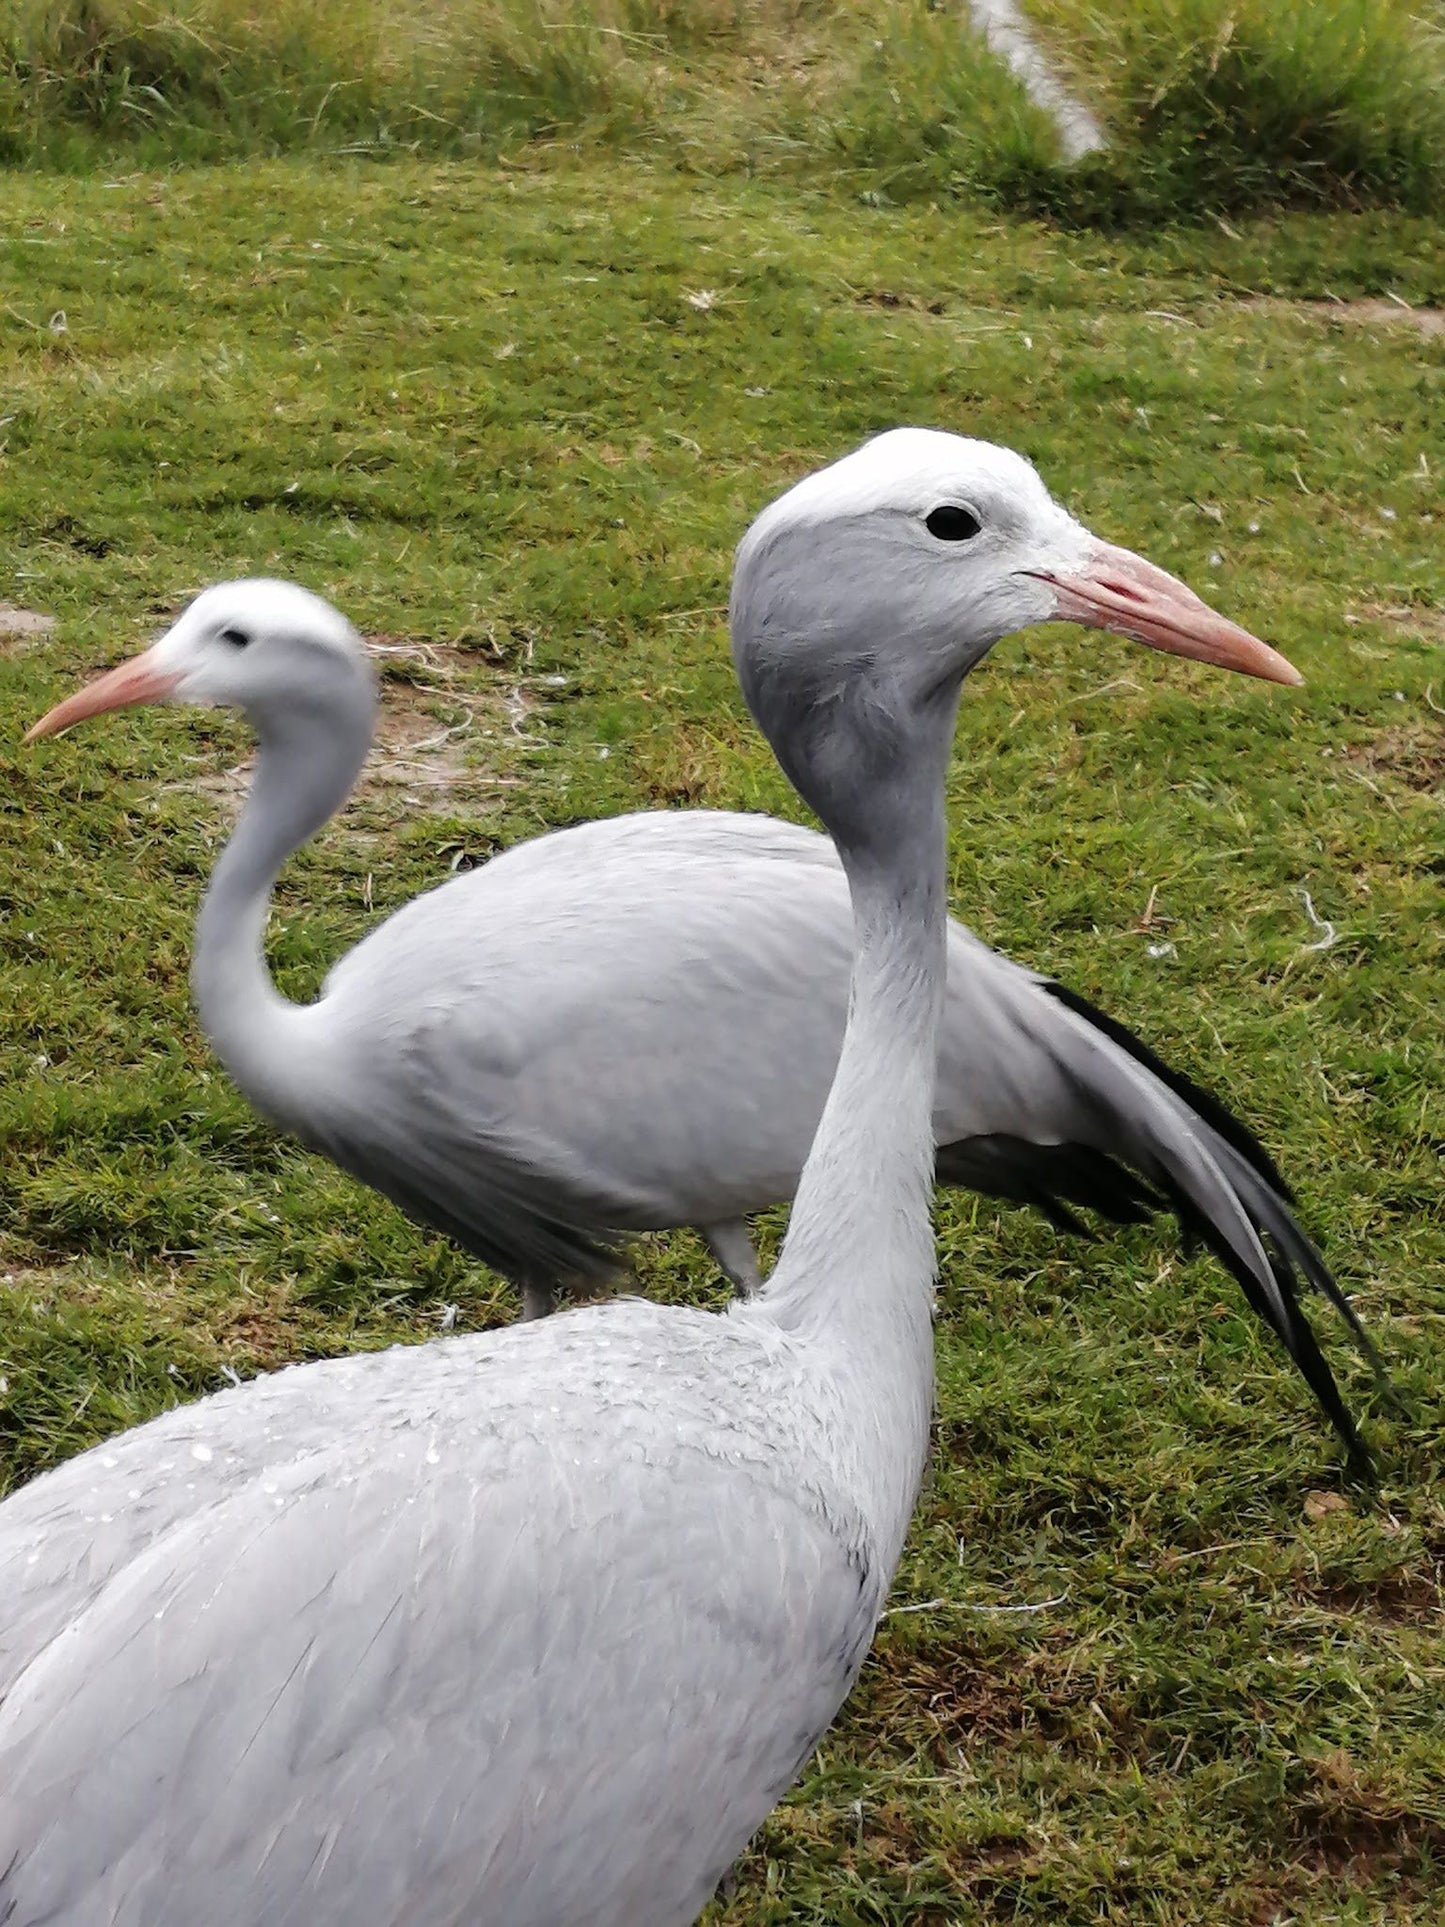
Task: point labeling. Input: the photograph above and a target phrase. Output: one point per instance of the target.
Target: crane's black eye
(236, 637)
(952, 524)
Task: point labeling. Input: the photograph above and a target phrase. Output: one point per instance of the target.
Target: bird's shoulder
(561, 944)
(593, 1400)
(457, 1573)
(588, 892)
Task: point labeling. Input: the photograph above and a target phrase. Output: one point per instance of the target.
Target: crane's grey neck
(308, 761)
(856, 1272)
(862, 1206)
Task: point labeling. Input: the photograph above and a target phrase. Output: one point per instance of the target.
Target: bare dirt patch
(1033, 1700)
(425, 753)
(1413, 753)
(21, 628)
(887, 298)
(1360, 314)
(417, 750)
(1401, 1599)
(1347, 1828)
(1428, 623)
(29, 1277)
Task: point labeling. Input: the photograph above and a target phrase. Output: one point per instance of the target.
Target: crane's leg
(536, 1300)
(731, 1244)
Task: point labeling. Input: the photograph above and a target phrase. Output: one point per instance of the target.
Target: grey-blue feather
(648, 1010)
(533, 1628)
(633, 1024)
(330, 1669)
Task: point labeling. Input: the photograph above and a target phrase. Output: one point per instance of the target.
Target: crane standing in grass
(534, 1627)
(632, 1024)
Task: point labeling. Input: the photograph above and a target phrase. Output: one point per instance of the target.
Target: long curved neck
(857, 1268)
(307, 765)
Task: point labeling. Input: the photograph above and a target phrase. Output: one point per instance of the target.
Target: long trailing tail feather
(1142, 1136)
(1295, 1250)
(1291, 1327)
(1263, 1261)
(1203, 1104)
(1270, 1202)
(1210, 1194)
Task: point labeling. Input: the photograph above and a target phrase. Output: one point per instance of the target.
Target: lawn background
(512, 414)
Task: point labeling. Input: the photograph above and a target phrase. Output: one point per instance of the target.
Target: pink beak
(141, 680)
(1119, 590)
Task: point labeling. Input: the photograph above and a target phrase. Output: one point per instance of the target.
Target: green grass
(477, 408)
(1211, 108)
(1259, 101)
(886, 94)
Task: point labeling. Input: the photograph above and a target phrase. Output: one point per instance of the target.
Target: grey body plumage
(306, 1637)
(532, 1628)
(632, 1024)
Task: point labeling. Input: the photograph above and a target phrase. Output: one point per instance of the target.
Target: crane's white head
(895, 570)
(269, 648)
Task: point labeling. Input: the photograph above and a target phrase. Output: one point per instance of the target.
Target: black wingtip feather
(1202, 1102)
(1050, 1177)
(1276, 1223)
(1294, 1331)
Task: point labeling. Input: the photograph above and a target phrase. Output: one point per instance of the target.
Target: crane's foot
(536, 1301)
(731, 1244)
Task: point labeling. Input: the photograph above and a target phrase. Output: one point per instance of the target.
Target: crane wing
(653, 1009)
(624, 1027)
(1048, 1100)
(439, 1646)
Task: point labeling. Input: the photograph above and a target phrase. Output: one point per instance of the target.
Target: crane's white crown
(853, 564)
(908, 472)
(245, 642)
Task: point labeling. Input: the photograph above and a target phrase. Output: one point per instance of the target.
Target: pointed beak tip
(138, 681)
(1120, 591)
(1255, 658)
(52, 723)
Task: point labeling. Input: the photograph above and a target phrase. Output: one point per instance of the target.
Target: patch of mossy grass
(1150, 1660)
(869, 90)
(1218, 108)
(1210, 109)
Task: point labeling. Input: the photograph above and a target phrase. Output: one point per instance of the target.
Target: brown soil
(423, 755)
(1362, 314)
(21, 628)
(1413, 753)
(1429, 623)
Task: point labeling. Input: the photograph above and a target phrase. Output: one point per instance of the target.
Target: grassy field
(1149, 1663)
(1209, 107)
